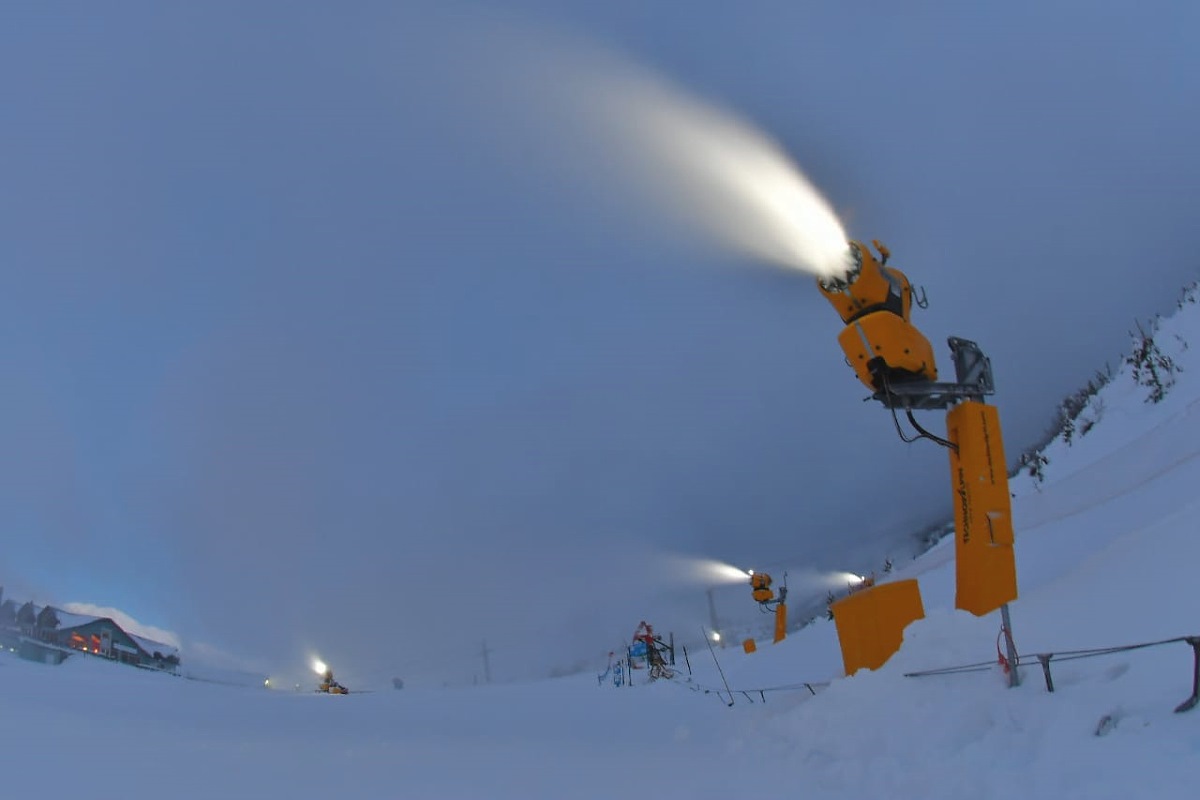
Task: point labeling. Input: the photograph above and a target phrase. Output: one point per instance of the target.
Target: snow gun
(760, 588)
(330, 686)
(895, 361)
(887, 352)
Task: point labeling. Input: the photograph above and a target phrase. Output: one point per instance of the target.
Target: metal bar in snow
(1045, 659)
(1190, 703)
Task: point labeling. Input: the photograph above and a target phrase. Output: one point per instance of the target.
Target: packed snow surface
(1106, 549)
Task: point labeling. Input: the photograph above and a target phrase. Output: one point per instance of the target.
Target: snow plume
(718, 169)
(705, 571)
(806, 580)
(127, 622)
(710, 572)
(625, 127)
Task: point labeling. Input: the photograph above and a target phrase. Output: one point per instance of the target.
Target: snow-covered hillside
(1106, 549)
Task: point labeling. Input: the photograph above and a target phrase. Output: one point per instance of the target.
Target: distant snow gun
(895, 361)
(760, 589)
(328, 685)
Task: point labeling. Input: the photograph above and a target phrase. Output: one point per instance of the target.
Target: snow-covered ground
(1107, 549)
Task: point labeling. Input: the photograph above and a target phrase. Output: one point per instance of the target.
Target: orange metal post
(986, 572)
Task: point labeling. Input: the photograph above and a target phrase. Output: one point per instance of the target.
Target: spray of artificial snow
(710, 572)
(627, 128)
(718, 170)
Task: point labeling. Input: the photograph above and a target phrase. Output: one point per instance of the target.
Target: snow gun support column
(895, 361)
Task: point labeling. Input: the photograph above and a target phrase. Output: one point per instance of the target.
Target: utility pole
(487, 667)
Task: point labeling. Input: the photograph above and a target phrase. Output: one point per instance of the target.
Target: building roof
(68, 621)
(151, 647)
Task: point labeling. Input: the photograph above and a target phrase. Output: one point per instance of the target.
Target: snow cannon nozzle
(853, 268)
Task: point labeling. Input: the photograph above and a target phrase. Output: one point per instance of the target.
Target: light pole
(712, 617)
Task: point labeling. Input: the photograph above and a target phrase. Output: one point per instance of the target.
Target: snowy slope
(1106, 551)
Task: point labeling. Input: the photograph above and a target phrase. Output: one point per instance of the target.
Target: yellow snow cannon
(760, 586)
(875, 302)
(330, 686)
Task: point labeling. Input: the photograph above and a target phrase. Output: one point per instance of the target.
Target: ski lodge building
(102, 636)
(50, 634)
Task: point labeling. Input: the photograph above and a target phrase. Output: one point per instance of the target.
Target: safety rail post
(1045, 659)
(1190, 703)
(1014, 677)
